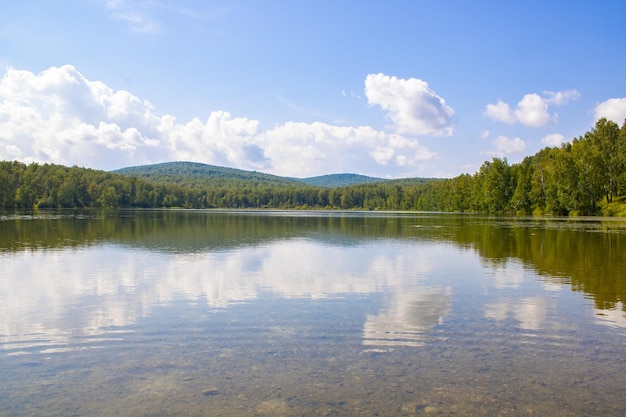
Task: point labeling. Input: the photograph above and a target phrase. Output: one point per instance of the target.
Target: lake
(310, 313)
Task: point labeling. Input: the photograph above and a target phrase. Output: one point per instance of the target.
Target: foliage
(585, 177)
(338, 180)
(197, 175)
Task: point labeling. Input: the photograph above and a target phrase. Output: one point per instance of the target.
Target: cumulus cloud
(532, 109)
(411, 105)
(509, 146)
(301, 147)
(613, 109)
(553, 139)
(504, 146)
(59, 116)
(501, 112)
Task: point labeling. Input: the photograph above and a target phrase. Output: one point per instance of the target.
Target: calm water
(203, 313)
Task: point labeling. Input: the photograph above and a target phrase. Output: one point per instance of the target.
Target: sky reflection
(408, 318)
(53, 298)
(529, 312)
(615, 317)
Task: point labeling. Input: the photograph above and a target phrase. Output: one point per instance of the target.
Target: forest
(586, 176)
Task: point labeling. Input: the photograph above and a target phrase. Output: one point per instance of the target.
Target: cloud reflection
(530, 312)
(56, 297)
(508, 275)
(615, 317)
(406, 320)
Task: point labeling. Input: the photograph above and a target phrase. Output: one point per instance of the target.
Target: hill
(196, 174)
(407, 182)
(338, 180)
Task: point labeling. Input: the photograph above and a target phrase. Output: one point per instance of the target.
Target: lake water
(206, 313)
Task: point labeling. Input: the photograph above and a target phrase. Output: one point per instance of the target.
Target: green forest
(584, 177)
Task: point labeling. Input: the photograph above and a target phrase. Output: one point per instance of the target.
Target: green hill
(194, 174)
(338, 180)
(406, 182)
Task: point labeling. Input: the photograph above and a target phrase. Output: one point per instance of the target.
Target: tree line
(584, 177)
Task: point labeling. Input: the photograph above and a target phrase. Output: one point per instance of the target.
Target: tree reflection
(587, 254)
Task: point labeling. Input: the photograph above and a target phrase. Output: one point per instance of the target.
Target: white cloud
(553, 139)
(143, 16)
(410, 104)
(532, 109)
(135, 13)
(350, 93)
(506, 146)
(59, 116)
(301, 148)
(500, 112)
(560, 98)
(613, 109)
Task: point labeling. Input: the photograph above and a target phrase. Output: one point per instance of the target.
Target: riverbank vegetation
(584, 177)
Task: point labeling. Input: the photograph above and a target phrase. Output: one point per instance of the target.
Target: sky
(300, 88)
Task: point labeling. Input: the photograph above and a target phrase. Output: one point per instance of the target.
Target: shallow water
(196, 313)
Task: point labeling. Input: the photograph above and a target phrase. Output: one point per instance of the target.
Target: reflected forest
(584, 177)
(560, 251)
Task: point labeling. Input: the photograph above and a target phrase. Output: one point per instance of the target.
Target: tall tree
(496, 185)
(520, 201)
(621, 155)
(604, 144)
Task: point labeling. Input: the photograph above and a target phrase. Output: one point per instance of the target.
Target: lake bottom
(282, 359)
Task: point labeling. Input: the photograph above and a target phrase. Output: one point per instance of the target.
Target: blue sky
(302, 88)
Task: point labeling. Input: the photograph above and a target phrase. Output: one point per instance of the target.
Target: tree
(603, 145)
(496, 185)
(109, 197)
(520, 201)
(621, 160)
(7, 189)
(592, 177)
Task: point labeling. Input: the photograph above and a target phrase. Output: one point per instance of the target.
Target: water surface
(195, 313)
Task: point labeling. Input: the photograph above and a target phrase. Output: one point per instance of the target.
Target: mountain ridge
(197, 172)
